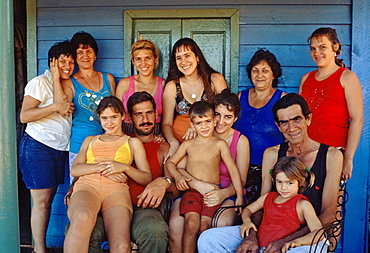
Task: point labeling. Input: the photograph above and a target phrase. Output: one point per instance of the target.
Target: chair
(216, 215)
(332, 232)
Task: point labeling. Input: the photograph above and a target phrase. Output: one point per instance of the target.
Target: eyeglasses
(285, 123)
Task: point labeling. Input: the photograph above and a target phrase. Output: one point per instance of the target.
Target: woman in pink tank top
(334, 97)
(145, 57)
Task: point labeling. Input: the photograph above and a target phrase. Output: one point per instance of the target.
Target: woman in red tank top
(334, 97)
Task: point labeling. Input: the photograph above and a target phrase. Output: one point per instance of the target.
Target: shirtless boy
(204, 154)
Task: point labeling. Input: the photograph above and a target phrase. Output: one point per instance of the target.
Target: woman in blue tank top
(85, 89)
(256, 120)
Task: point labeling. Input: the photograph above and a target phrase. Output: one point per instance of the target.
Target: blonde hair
(294, 169)
(145, 44)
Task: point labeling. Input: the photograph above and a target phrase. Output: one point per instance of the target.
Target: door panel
(164, 33)
(213, 38)
(211, 35)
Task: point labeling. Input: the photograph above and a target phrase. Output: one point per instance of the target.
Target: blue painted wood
(356, 229)
(100, 32)
(286, 34)
(149, 4)
(294, 14)
(249, 14)
(80, 16)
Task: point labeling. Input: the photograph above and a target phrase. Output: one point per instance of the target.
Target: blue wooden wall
(277, 25)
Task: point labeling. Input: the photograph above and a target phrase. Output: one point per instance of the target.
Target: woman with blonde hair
(145, 57)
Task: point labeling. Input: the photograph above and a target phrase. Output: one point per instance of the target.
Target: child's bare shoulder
(220, 143)
(304, 204)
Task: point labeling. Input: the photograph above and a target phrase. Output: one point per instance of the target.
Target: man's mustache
(146, 124)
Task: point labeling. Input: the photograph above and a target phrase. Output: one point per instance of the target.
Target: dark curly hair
(265, 55)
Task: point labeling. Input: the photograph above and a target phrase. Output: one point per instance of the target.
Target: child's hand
(158, 139)
(245, 227)
(239, 202)
(181, 183)
(291, 244)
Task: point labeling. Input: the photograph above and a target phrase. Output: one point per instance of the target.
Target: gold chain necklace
(88, 83)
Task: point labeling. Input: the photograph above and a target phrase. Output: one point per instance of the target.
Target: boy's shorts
(192, 201)
(42, 166)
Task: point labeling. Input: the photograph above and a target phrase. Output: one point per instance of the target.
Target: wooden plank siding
(277, 25)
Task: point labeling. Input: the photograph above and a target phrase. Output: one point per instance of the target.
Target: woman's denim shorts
(42, 166)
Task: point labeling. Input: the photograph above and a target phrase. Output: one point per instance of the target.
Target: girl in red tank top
(285, 210)
(334, 97)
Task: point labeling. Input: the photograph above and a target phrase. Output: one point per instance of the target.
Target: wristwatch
(169, 181)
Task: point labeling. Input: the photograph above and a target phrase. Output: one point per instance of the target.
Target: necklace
(88, 83)
(228, 138)
(146, 85)
(193, 95)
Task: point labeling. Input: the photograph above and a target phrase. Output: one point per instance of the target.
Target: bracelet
(169, 181)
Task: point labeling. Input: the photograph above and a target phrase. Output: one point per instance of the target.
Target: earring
(335, 54)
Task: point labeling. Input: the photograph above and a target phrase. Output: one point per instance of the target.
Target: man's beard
(139, 132)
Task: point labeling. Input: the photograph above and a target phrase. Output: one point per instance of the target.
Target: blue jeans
(42, 166)
(227, 239)
(220, 240)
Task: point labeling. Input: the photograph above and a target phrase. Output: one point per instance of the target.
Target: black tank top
(314, 193)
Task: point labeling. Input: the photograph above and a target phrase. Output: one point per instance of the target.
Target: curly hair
(265, 55)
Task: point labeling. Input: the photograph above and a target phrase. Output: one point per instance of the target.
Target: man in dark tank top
(292, 117)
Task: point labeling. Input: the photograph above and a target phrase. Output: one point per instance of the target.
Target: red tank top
(279, 220)
(151, 149)
(327, 102)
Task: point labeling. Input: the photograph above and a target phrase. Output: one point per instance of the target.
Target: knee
(42, 203)
(83, 217)
(192, 225)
